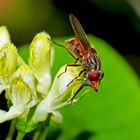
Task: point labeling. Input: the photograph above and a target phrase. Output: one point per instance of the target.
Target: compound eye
(94, 76)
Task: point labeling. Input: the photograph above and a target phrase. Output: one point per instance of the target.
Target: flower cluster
(30, 93)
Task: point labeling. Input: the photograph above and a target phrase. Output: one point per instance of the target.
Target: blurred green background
(114, 112)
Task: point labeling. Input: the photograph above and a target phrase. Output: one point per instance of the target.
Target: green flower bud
(21, 93)
(8, 61)
(4, 36)
(23, 87)
(64, 87)
(61, 92)
(40, 61)
(8, 64)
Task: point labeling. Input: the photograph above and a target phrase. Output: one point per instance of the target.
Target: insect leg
(80, 88)
(56, 43)
(68, 65)
(72, 54)
(76, 60)
(76, 77)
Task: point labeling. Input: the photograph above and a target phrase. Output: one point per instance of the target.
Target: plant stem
(20, 135)
(42, 131)
(45, 128)
(11, 130)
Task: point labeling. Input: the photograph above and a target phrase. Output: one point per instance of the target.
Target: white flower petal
(40, 61)
(4, 36)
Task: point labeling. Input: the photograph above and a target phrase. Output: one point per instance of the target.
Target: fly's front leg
(79, 89)
(68, 65)
(77, 59)
(76, 77)
(72, 54)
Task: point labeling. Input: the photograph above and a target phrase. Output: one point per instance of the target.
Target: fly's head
(94, 78)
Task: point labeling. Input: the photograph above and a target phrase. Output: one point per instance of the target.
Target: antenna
(56, 43)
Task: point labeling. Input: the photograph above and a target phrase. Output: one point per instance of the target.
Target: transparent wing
(79, 31)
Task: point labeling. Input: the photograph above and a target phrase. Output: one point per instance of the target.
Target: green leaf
(23, 51)
(111, 114)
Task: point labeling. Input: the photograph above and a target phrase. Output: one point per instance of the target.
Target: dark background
(117, 21)
(116, 27)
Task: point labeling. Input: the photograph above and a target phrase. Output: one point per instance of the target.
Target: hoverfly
(83, 52)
